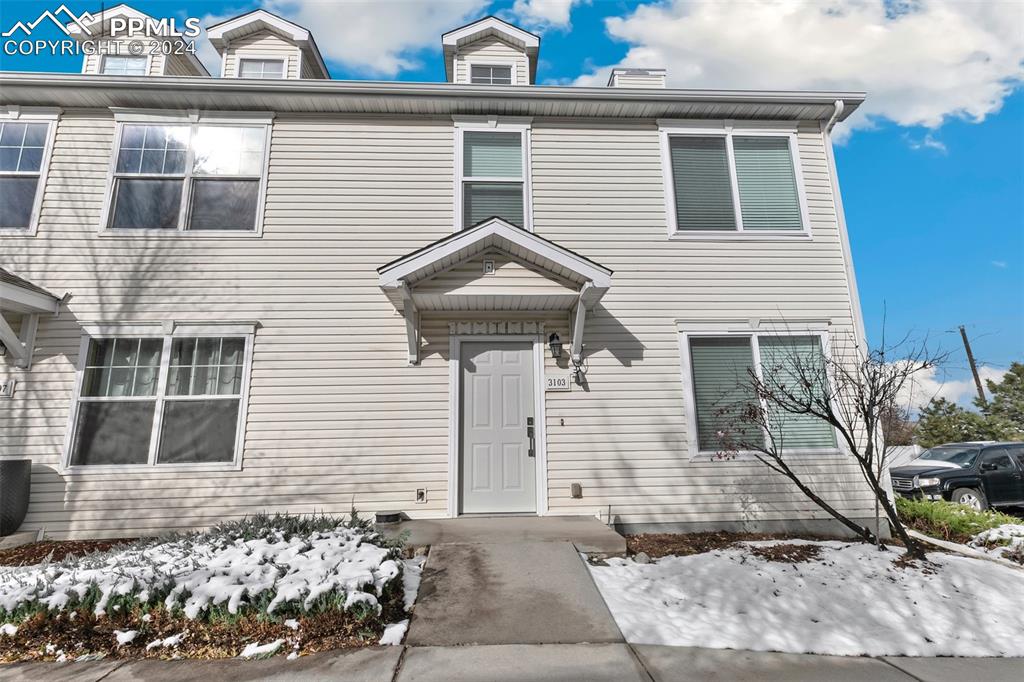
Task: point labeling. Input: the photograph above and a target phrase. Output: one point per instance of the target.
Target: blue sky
(932, 168)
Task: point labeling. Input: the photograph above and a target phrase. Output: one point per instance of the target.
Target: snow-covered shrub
(276, 566)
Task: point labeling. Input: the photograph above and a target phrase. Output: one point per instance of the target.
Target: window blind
(721, 384)
(784, 359)
(703, 190)
(484, 200)
(767, 183)
(493, 154)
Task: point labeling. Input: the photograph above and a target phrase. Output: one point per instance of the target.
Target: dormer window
(261, 68)
(490, 75)
(259, 44)
(490, 52)
(117, 65)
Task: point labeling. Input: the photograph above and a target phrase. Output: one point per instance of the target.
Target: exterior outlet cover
(421, 495)
(488, 267)
(7, 388)
(576, 490)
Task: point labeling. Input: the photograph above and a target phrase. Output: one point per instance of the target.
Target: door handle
(532, 451)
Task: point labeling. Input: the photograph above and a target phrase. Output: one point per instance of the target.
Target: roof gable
(221, 35)
(454, 40)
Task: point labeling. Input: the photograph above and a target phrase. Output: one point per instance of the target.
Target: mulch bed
(657, 545)
(55, 550)
(787, 553)
(43, 638)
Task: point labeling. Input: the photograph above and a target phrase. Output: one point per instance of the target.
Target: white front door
(498, 466)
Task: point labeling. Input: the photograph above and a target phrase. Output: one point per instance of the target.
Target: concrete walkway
(535, 663)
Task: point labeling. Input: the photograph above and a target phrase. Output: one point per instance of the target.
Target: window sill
(17, 231)
(111, 233)
(747, 456)
(79, 469)
(714, 236)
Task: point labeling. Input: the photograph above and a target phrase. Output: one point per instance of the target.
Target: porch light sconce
(555, 344)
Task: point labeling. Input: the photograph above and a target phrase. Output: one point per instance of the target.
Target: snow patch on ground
(200, 571)
(999, 540)
(8, 629)
(125, 636)
(851, 601)
(394, 633)
(167, 642)
(412, 573)
(253, 650)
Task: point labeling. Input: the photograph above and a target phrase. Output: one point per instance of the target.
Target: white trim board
(455, 413)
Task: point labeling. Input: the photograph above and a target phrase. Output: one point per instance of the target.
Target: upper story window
(729, 181)
(493, 175)
(490, 75)
(24, 150)
(261, 68)
(195, 176)
(117, 65)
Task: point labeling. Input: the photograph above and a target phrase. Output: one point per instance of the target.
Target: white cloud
(920, 62)
(1001, 264)
(375, 38)
(929, 141)
(928, 384)
(544, 14)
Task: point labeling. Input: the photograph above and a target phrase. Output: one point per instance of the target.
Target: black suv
(980, 475)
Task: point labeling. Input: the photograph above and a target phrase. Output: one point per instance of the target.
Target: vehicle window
(961, 456)
(1000, 459)
(1017, 452)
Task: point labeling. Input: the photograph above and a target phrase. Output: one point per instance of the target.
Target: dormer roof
(220, 35)
(453, 40)
(98, 24)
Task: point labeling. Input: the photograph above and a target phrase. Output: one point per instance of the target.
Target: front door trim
(455, 414)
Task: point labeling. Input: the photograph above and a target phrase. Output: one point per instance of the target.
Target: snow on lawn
(852, 600)
(412, 573)
(275, 572)
(1000, 540)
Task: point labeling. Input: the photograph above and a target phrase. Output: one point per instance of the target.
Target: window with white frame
(160, 400)
(23, 146)
(170, 176)
(124, 65)
(486, 74)
(733, 181)
(493, 182)
(721, 368)
(261, 68)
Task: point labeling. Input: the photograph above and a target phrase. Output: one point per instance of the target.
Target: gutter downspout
(844, 235)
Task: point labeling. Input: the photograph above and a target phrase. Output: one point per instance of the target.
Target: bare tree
(850, 392)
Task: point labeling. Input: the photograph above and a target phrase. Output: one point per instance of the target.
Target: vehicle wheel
(975, 499)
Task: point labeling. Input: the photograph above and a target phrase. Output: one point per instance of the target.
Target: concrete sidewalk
(535, 663)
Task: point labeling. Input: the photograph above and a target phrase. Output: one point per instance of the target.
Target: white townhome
(275, 291)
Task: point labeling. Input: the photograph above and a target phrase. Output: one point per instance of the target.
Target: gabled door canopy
(19, 296)
(586, 280)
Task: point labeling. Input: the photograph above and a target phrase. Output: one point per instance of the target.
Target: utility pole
(974, 367)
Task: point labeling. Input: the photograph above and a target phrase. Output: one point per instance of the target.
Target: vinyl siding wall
(496, 49)
(262, 45)
(335, 415)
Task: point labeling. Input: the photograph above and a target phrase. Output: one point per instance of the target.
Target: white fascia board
(601, 277)
(17, 299)
(223, 30)
(452, 38)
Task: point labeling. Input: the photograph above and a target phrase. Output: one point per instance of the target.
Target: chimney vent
(637, 78)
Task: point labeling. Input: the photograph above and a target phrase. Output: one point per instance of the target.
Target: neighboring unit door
(999, 476)
(497, 464)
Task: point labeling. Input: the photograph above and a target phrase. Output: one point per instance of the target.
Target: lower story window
(722, 369)
(160, 400)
